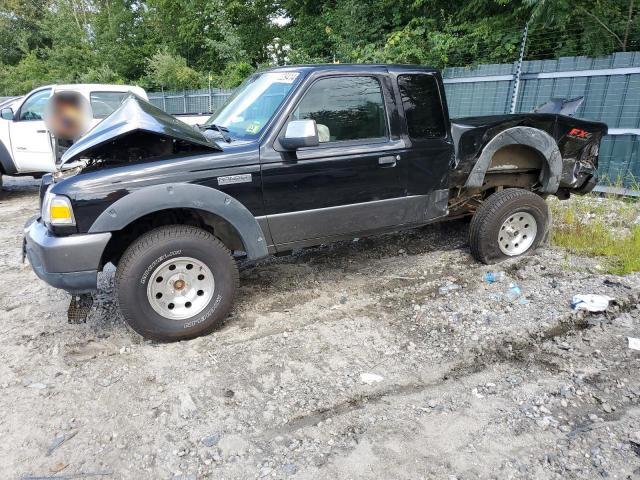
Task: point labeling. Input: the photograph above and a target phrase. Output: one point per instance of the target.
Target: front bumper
(70, 263)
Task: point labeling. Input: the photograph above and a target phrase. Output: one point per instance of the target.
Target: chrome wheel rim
(180, 288)
(517, 233)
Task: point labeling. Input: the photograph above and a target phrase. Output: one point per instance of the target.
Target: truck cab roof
(359, 67)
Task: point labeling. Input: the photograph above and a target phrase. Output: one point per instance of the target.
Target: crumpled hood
(135, 114)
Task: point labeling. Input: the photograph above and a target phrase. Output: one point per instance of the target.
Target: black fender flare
(184, 195)
(531, 137)
(6, 161)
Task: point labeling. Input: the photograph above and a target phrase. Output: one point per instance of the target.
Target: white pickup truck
(26, 146)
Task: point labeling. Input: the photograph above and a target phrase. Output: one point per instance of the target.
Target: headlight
(57, 210)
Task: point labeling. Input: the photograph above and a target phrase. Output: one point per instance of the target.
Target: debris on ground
(37, 386)
(513, 293)
(448, 288)
(591, 302)
(634, 343)
(79, 308)
(370, 378)
(210, 440)
(494, 277)
(58, 467)
(59, 439)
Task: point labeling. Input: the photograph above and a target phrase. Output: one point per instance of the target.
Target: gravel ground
(386, 357)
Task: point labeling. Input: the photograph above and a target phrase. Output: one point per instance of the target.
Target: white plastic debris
(634, 343)
(449, 287)
(187, 407)
(370, 378)
(37, 386)
(590, 302)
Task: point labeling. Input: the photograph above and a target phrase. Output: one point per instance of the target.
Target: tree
(178, 43)
(615, 21)
(171, 71)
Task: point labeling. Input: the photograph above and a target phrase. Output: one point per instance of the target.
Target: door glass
(422, 106)
(104, 104)
(344, 108)
(33, 108)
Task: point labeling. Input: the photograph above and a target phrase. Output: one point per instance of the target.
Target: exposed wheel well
(512, 166)
(208, 221)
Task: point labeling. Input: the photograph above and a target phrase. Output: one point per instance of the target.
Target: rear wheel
(176, 282)
(509, 223)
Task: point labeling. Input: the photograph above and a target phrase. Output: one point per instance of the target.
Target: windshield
(253, 104)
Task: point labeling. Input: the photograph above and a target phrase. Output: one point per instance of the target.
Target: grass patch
(600, 228)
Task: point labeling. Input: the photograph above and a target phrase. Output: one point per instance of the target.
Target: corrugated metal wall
(610, 85)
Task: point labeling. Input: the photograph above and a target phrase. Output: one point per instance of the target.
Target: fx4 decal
(579, 134)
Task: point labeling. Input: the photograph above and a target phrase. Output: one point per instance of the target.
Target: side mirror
(300, 133)
(7, 113)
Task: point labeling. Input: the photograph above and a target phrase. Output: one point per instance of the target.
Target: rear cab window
(422, 106)
(104, 104)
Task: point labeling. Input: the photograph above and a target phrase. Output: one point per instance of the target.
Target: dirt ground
(387, 357)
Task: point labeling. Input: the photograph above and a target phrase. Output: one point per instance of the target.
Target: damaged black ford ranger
(299, 156)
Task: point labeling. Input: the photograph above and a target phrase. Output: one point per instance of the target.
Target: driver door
(353, 181)
(30, 140)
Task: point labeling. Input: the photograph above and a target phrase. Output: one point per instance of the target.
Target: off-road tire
(485, 225)
(162, 244)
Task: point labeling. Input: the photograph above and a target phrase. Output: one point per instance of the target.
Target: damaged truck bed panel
(563, 149)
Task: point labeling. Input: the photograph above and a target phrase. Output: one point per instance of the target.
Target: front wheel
(509, 223)
(176, 282)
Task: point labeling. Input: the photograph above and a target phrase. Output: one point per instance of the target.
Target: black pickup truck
(299, 156)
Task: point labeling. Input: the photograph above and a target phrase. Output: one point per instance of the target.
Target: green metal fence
(194, 102)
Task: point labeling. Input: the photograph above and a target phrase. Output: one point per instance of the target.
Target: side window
(33, 108)
(422, 106)
(344, 108)
(104, 104)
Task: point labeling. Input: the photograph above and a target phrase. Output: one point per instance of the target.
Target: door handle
(388, 161)
(41, 131)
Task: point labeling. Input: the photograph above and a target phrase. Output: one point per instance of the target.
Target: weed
(600, 227)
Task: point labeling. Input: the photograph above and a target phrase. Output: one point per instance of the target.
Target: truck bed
(577, 142)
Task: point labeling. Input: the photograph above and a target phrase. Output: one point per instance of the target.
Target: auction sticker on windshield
(286, 77)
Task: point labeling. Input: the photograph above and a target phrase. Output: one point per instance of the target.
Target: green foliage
(233, 75)
(157, 43)
(179, 43)
(171, 71)
(100, 74)
(599, 227)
